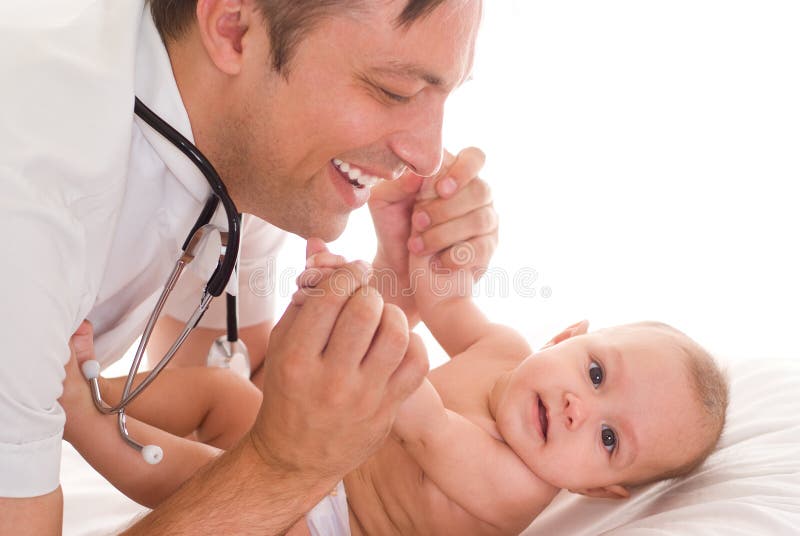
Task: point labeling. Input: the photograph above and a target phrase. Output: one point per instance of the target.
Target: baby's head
(598, 413)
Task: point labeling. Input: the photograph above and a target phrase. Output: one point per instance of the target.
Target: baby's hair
(710, 387)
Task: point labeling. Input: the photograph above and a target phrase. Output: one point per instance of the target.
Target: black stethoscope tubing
(214, 287)
(219, 279)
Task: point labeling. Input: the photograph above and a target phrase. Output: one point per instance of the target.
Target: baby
(489, 439)
(485, 443)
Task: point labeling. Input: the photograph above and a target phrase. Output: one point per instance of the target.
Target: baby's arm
(474, 470)
(177, 400)
(216, 404)
(444, 297)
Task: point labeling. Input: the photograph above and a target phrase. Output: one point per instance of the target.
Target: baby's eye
(595, 374)
(608, 437)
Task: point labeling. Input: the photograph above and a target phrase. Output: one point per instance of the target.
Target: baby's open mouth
(543, 418)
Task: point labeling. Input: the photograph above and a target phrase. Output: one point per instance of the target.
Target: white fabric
(92, 507)
(95, 206)
(330, 516)
(750, 486)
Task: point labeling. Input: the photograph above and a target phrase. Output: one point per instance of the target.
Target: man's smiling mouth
(543, 417)
(355, 175)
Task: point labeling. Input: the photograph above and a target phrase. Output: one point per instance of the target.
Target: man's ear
(222, 25)
(579, 328)
(614, 491)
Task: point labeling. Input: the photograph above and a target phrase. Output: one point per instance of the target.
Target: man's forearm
(32, 515)
(239, 493)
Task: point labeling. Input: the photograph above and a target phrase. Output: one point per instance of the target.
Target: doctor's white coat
(94, 206)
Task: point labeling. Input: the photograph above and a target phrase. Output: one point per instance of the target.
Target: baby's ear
(608, 492)
(579, 328)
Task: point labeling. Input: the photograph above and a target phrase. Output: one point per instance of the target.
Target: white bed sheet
(750, 485)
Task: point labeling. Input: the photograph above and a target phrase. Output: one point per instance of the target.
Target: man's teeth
(356, 175)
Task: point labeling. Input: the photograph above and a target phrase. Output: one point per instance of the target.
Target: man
(279, 95)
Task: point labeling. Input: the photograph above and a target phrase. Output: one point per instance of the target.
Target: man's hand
(461, 218)
(337, 368)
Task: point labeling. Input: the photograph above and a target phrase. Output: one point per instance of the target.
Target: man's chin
(328, 230)
(307, 224)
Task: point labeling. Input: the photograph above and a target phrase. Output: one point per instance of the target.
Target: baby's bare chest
(391, 496)
(465, 383)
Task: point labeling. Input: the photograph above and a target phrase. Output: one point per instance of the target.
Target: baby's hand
(319, 263)
(444, 274)
(76, 397)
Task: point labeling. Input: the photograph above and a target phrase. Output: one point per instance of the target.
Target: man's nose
(419, 145)
(574, 411)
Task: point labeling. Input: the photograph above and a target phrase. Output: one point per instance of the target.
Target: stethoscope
(227, 351)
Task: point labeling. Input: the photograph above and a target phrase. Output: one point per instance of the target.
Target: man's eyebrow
(628, 449)
(410, 70)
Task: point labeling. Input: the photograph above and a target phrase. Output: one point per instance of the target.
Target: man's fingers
(475, 223)
(473, 254)
(473, 195)
(468, 163)
(314, 321)
(388, 346)
(353, 332)
(408, 376)
(429, 185)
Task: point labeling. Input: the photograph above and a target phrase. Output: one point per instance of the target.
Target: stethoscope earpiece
(90, 369)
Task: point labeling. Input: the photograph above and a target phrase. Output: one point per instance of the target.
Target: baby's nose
(574, 412)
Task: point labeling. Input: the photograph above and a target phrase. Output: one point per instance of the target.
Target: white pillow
(750, 485)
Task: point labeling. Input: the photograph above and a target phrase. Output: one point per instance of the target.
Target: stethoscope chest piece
(231, 355)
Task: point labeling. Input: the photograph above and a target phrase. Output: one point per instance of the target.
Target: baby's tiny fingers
(312, 277)
(325, 259)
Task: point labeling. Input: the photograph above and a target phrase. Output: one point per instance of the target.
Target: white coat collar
(156, 87)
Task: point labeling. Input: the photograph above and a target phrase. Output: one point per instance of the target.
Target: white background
(644, 158)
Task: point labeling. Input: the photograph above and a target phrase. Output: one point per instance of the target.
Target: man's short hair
(288, 21)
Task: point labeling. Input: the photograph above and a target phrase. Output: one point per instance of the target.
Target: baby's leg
(216, 403)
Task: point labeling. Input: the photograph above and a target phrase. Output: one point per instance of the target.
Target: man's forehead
(424, 50)
(408, 70)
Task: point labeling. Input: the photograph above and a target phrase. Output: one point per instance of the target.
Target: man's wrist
(302, 477)
(243, 491)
